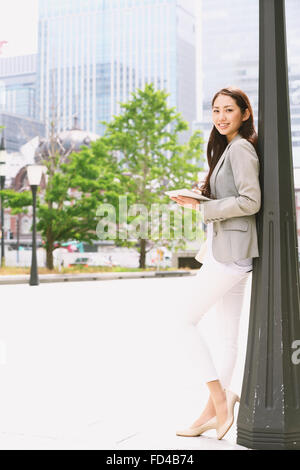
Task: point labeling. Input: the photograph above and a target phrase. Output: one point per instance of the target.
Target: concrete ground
(95, 365)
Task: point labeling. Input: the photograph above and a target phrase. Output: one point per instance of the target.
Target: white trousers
(223, 287)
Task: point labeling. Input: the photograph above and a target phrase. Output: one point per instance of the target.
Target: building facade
(19, 130)
(93, 54)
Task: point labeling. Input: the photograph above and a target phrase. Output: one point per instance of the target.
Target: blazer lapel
(218, 165)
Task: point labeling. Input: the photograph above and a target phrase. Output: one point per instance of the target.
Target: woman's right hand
(185, 201)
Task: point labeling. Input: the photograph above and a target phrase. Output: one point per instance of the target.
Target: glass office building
(93, 54)
(18, 130)
(18, 101)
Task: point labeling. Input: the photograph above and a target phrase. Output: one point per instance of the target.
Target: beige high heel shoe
(198, 430)
(231, 399)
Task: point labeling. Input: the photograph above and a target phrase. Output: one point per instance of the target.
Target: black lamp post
(34, 174)
(269, 414)
(2, 183)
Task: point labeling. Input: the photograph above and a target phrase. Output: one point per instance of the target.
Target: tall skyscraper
(18, 101)
(93, 54)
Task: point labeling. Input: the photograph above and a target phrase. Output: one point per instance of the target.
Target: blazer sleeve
(245, 168)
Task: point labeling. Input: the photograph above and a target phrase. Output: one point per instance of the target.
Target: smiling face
(227, 116)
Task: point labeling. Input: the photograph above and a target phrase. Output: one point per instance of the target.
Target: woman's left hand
(185, 201)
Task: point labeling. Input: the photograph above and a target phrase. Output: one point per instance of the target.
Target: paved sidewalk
(96, 366)
(106, 436)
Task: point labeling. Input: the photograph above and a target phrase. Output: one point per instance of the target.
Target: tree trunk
(49, 256)
(143, 253)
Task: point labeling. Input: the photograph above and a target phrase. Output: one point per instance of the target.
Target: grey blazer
(237, 198)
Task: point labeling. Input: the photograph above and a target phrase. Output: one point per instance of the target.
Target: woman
(232, 184)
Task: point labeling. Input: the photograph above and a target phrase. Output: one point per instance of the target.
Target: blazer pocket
(231, 224)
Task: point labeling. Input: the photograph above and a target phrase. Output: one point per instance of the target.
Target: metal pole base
(33, 282)
(268, 440)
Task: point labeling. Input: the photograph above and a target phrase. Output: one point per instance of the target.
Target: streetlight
(34, 174)
(2, 183)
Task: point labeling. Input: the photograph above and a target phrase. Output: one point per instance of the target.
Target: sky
(18, 26)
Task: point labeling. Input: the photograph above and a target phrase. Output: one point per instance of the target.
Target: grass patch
(5, 271)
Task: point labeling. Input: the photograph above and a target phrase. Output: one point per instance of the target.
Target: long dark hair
(218, 142)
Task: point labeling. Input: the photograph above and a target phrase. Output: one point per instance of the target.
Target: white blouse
(244, 265)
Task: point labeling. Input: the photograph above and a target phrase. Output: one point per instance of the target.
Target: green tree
(73, 192)
(146, 137)
(17, 202)
(74, 188)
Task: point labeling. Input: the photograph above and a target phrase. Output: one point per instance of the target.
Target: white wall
(11, 258)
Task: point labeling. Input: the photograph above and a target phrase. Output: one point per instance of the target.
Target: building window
(25, 226)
